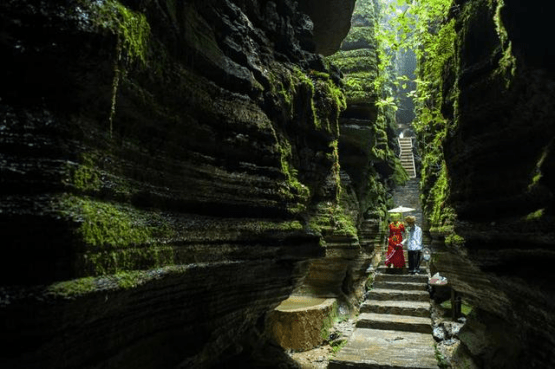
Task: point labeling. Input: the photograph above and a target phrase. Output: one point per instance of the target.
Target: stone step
(386, 349)
(408, 278)
(400, 285)
(397, 295)
(382, 321)
(404, 308)
(392, 274)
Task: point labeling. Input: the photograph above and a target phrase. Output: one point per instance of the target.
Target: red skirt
(395, 256)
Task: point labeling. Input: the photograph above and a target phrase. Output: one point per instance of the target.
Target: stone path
(406, 156)
(394, 328)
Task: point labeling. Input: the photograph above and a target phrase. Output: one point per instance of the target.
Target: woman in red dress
(395, 255)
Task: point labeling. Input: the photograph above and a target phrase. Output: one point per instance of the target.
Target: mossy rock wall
(489, 176)
(368, 141)
(161, 161)
(368, 170)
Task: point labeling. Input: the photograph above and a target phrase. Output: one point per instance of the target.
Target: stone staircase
(406, 156)
(394, 328)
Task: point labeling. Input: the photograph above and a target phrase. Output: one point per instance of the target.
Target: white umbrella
(400, 209)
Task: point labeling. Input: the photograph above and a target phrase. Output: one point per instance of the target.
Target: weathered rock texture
(500, 89)
(162, 164)
(325, 13)
(302, 323)
(369, 169)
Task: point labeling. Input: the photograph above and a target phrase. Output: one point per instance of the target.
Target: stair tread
(406, 308)
(395, 321)
(385, 317)
(400, 285)
(373, 348)
(410, 292)
(411, 304)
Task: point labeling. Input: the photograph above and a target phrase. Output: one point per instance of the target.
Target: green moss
(507, 63)
(328, 322)
(534, 216)
(322, 75)
(330, 218)
(537, 174)
(72, 288)
(84, 175)
(360, 87)
(465, 308)
(454, 240)
(293, 190)
(112, 238)
(119, 261)
(131, 28)
(133, 34)
(78, 287)
(442, 362)
(369, 282)
(356, 61)
(107, 224)
(363, 35)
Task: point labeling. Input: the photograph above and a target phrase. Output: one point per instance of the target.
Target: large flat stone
(395, 322)
(372, 349)
(398, 295)
(405, 308)
(399, 285)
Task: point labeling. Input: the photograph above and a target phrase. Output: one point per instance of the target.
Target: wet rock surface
(160, 160)
(500, 164)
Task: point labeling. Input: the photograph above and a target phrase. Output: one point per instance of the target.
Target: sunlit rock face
(367, 167)
(501, 168)
(161, 165)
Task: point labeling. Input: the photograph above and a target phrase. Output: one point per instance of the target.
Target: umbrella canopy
(400, 209)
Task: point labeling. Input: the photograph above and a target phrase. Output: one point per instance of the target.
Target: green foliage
(336, 346)
(369, 282)
(423, 26)
(454, 240)
(441, 360)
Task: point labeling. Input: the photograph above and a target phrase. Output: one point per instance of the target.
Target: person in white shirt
(414, 244)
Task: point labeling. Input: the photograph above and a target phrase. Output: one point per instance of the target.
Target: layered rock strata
(162, 166)
(369, 170)
(499, 90)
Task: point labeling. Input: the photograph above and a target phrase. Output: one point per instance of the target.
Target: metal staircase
(406, 156)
